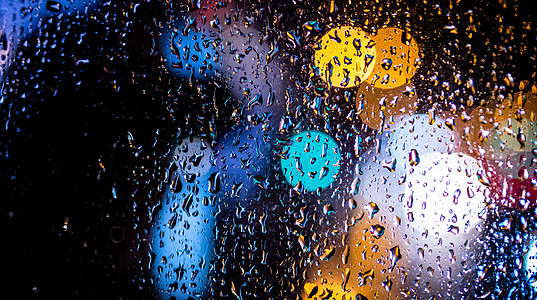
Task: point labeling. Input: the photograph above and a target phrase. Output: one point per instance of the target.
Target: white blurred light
(444, 194)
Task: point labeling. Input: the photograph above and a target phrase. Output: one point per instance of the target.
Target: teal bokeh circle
(311, 158)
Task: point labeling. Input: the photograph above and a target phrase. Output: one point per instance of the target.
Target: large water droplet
(214, 183)
(373, 209)
(376, 231)
(395, 256)
(328, 253)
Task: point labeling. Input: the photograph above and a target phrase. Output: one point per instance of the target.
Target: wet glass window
(239, 149)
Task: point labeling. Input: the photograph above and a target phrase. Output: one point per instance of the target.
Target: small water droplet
(410, 216)
(470, 192)
(519, 115)
(505, 224)
(413, 157)
(387, 284)
(521, 138)
(173, 220)
(323, 173)
(187, 202)
(390, 164)
(54, 6)
(176, 185)
(351, 203)
(302, 242)
(523, 173)
(328, 209)
(483, 178)
(421, 253)
(235, 189)
(451, 255)
(453, 229)
(456, 196)
(481, 272)
(386, 63)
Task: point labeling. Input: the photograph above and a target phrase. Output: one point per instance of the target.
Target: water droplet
(214, 183)
(386, 63)
(524, 223)
(235, 189)
(410, 216)
(390, 164)
(456, 196)
(453, 229)
(328, 209)
(351, 203)
(187, 202)
(328, 253)
(257, 100)
(421, 253)
(505, 224)
(173, 220)
(413, 157)
(483, 178)
(395, 256)
(364, 276)
(345, 255)
(376, 231)
(302, 242)
(387, 284)
(176, 185)
(373, 209)
(521, 138)
(355, 186)
(523, 173)
(346, 277)
(470, 192)
(54, 6)
(432, 117)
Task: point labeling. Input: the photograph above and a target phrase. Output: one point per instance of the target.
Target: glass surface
(269, 149)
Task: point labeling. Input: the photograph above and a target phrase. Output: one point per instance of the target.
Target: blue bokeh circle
(312, 159)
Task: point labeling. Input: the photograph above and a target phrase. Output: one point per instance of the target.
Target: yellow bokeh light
(397, 58)
(345, 57)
